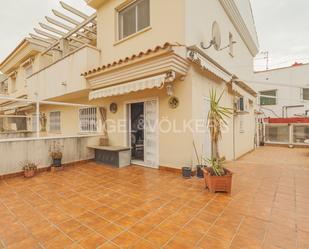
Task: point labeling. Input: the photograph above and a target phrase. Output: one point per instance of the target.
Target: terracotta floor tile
(111, 231)
(69, 225)
(61, 241)
(158, 237)
(27, 243)
(79, 233)
(93, 241)
(269, 201)
(169, 227)
(240, 242)
(212, 243)
(48, 234)
(144, 244)
(126, 239)
(177, 244)
(108, 245)
(141, 229)
(126, 221)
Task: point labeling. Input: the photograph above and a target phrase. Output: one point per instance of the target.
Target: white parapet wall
(14, 152)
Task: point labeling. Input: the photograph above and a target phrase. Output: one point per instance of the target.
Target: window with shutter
(133, 18)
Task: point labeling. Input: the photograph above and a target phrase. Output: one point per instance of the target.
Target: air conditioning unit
(242, 105)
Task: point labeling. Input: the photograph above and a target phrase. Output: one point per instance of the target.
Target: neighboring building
(143, 61)
(287, 88)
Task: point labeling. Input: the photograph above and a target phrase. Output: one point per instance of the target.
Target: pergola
(66, 33)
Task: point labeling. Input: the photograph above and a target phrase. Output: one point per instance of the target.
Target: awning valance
(128, 87)
(207, 65)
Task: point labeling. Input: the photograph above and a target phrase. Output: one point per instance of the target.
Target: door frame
(127, 133)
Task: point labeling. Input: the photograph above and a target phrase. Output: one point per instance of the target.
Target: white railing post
(37, 128)
(291, 134)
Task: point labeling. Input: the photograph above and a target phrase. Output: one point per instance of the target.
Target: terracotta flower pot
(218, 183)
(29, 173)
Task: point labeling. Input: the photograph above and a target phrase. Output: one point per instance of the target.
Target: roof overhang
(233, 13)
(20, 54)
(159, 60)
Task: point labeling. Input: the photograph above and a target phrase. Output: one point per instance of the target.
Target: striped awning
(124, 88)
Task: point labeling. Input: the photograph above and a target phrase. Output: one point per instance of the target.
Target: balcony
(63, 76)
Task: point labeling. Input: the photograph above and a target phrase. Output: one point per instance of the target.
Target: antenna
(266, 53)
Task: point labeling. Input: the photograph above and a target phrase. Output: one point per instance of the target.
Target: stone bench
(117, 156)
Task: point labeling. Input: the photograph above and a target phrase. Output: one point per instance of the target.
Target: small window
(231, 44)
(54, 122)
(271, 100)
(305, 94)
(88, 119)
(134, 18)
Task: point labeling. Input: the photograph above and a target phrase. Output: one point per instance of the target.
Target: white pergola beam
(51, 29)
(65, 17)
(43, 33)
(76, 29)
(75, 11)
(71, 20)
(61, 25)
(39, 38)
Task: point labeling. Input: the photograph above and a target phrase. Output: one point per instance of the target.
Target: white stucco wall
(200, 15)
(14, 153)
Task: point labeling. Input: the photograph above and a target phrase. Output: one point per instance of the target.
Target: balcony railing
(63, 76)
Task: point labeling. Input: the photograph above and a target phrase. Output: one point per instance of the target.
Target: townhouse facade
(150, 62)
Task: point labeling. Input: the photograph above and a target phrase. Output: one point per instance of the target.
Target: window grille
(88, 119)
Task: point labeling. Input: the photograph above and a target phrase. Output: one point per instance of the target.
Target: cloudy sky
(282, 26)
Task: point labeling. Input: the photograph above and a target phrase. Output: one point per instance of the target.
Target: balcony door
(142, 132)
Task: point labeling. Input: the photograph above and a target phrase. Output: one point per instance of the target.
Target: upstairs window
(305, 93)
(133, 18)
(54, 122)
(271, 100)
(88, 119)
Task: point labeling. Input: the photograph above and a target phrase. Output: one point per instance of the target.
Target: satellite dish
(216, 36)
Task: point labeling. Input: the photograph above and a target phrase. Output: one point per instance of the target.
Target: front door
(143, 134)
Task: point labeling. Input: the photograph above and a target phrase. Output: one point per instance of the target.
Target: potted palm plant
(217, 178)
(29, 169)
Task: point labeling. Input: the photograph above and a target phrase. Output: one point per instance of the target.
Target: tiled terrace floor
(92, 206)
